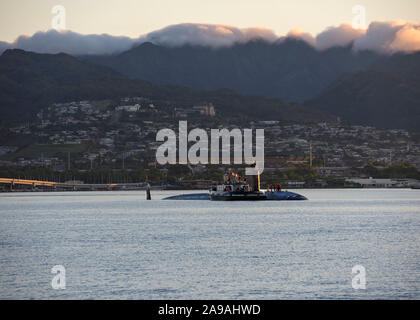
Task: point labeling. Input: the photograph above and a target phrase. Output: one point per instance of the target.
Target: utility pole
(123, 160)
(68, 160)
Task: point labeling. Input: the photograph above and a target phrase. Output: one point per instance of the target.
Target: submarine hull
(240, 196)
(284, 195)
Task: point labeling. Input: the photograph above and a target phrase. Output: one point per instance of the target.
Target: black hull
(190, 196)
(256, 196)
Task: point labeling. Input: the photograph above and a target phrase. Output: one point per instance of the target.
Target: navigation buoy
(148, 195)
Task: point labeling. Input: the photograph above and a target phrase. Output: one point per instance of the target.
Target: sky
(134, 18)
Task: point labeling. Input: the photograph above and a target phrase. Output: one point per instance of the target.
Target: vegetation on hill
(386, 95)
(291, 70)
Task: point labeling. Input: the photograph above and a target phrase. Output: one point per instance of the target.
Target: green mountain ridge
(385, 95)
(384, 91)
(31, 81)
(291, 70)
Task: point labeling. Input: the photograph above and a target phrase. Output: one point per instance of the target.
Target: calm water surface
(116, 245)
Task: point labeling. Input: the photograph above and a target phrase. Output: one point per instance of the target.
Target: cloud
(4, 46)
(342, 35)
(301, 35)
(53, 41)
(407, 39)
(206, 35)
(381, 36)
(390, 37)
(378, 36)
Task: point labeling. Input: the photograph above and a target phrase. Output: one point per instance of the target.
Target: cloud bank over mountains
(53, 41)
(381, 36)
(206, 35)
(390, 37)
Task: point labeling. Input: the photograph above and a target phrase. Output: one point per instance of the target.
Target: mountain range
(287, 80)
(291, 70)
(31, 81)
(387, 94)
(361, 87)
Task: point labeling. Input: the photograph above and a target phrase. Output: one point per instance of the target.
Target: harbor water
(117, 245)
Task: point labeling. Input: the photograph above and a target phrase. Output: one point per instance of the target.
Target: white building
(133, 108)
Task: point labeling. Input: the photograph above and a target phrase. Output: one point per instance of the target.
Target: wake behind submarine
(237, 188)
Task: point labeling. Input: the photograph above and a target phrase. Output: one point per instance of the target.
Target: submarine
(236, 188)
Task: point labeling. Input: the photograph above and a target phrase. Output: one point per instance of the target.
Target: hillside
(290, 70)
(31, 81)
(385, 95)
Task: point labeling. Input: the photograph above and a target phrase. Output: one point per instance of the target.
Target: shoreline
(201, 190)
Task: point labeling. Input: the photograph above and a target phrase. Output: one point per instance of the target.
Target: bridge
(34, 183)
(11, 182)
